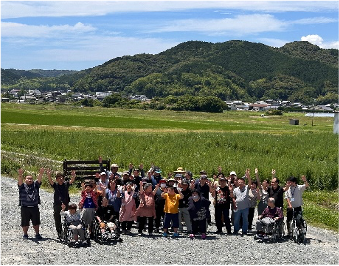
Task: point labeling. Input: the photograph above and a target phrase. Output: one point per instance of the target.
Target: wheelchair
(273, 231)
(108, 235)
(66, 236)
(298, 228)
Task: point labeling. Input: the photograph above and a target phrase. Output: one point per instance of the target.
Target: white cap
(233, 173)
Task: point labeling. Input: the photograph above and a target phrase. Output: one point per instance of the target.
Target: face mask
(195, 197)
(163, 185)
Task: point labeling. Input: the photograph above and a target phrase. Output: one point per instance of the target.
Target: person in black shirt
(61, 195)
(183, 205)
(107, 217)
(198, 208)
(277, 192)
(222, 196)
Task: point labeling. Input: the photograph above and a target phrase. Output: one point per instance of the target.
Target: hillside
(298, 71)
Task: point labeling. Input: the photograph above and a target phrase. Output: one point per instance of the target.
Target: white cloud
(316, 20)
(239, 25)
(314, 39)
(14, 9)
(10, 29)
(318, 40)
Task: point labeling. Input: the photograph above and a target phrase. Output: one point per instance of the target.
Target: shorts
(174, 217)
(30, 213)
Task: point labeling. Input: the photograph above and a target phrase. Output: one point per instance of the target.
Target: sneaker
(164, 234)
(203, 236)
(175, 234)
(38, 236)
(191, 236)
(25, 237)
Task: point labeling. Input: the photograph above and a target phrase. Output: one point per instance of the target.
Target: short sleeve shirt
(295, 195)
(171, 203)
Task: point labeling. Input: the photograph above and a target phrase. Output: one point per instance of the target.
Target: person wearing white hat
(114, 171)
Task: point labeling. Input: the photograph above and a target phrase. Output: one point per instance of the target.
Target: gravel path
(321, 247)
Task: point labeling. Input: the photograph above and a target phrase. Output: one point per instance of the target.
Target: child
(74, 220)
(198, 208)
(127, 210)
(88, 203)
(146, 207)
(171, 210)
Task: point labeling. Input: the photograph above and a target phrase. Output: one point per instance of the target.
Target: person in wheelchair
(270, 217)
(108, 221)
(74, 222)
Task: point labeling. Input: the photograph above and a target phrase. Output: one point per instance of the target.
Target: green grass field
(195, 141)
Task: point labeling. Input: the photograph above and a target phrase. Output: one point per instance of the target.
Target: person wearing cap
(232, 182)
(293, 195)
(198, 208)
(125, 178)
(157, 174)
(222, 195)
(61, 196)
(114, 171)
(159, 205)
(242, 203)
(184, 215)
(101, 185)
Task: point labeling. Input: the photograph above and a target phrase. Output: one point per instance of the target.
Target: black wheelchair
(298, 228)
(66, 236)
(109, 233)
(272, 231)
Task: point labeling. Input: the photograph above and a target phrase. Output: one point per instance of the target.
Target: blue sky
(76, 35)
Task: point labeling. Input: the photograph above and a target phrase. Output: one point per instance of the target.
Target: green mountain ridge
(298, 71)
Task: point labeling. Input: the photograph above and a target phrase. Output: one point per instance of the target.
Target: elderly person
(270, 215)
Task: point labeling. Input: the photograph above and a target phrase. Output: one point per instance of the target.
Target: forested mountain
(298, 71)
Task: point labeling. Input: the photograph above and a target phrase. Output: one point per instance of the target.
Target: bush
(274, 112)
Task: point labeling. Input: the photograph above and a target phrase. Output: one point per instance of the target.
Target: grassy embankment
(195, 141)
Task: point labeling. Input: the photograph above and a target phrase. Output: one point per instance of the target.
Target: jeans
(244, 214)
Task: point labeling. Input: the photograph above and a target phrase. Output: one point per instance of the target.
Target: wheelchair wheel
(97, 234)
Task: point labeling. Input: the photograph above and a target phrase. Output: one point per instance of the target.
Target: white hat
(114, 165)
(103, 173)
(233, 173)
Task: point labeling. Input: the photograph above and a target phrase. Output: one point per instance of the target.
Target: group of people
(116, 199)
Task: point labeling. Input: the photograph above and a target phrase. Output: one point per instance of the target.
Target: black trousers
(159, 211)
(219, 213)
(250, 217)
(126, 225)
(142, 222)
(199, 226)
(57, 218)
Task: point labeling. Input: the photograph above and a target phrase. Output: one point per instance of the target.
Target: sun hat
(180, 170)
